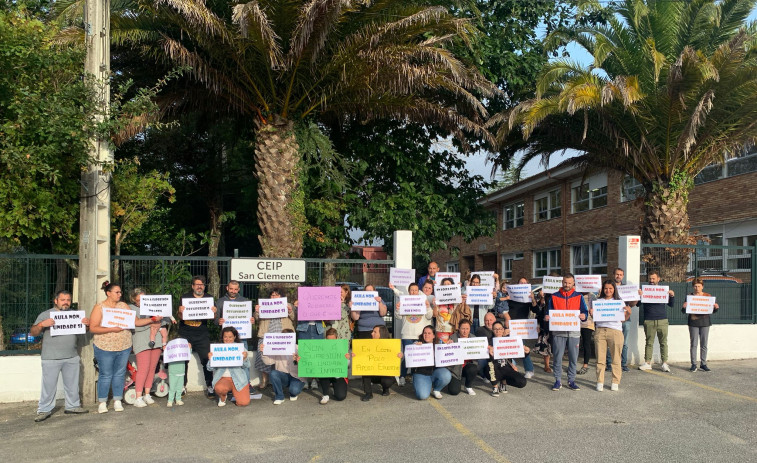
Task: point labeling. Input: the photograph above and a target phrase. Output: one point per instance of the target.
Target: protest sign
(700, 304)
(227, 355)
(364, 301)
(629, 293)
(323, 358)
(419, 355)
(508, 348)
(588, 283)
(455, 276)
(448, 354)
(197, 308)
(412, 305)
(608, 310)
(156, 305)
(487, 278)
(319, 303)
(243, 326)
(376, 357)
(475, 348)
(519, 293)
(237, 310)
(121, 318)
(524, 329)
(551, 285)
(654, 294)
(279, 343)
(564, 320)
(67, 322)
(479, 295)
(273, 308)
(401, 276)
(177, 351)
(448, 294)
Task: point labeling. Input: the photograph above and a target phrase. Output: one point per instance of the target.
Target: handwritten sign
(608, 310)
(237, 314)
(376, 357)
(412, 305)
(67, 322)
(364, 300)
(654, 294)
(564, 320)
(455, 276)
(519, 293)
(279, 343)
(700, 304)
(197, 308)
(401, 276)
(227, 355)
(487, 278)
(323, 358)
(177, 350)
(120, 318)
(524, 329)
(319, 303)
(448, 294)
(419, 355)
(243, 327)
(273, 308)
(474, 348)
(479, 295)
(156, 305)
(446, 355)
(551, 285)
(629, 293)
(588, 283)
(508, 348)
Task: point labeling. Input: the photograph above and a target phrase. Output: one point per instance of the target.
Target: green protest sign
(322, 358)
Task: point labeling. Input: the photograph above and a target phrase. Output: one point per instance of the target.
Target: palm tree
(278, 62)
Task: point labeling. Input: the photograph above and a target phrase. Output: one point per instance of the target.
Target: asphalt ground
(670, 417)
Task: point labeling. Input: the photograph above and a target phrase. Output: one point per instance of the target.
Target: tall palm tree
(672, 89)
(282, 61)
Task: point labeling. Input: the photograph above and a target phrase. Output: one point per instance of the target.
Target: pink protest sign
(319, 303)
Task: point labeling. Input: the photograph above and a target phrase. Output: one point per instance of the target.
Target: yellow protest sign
(376, 357)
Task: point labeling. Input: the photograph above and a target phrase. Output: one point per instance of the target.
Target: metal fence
(28, 283)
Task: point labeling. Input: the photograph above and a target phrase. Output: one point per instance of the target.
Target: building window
(591, 194)
(589, 259)
(631, 190)
(710, 259)
(453, 266)
(548, 206)
(740, 259)
(507, 266)
(742, 163)
(513, 215)
(546, 262)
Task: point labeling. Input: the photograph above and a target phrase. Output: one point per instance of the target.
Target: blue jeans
(624, 355)
(558, 350)
(280, 380)
(311, 332)
(403, 368)
(424, 383)
(483, 365)
(528, 364)
(112, 366)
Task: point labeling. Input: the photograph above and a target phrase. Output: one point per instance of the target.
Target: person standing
(59, 358)
(608, 337)
(147, 356)
(479, 310)
(433, 268)
(196, 331)
(656, 323)
(367, 319)
(699, 329)
(618, 276)
(566, 299)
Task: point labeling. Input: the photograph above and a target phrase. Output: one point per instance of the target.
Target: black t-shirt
(483, 331)
(519, 310)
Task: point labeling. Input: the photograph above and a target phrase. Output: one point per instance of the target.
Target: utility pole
(94, 228)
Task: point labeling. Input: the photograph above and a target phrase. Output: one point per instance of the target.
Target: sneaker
(529, 374)
(557, 386)
(645, 366)
(366, 397)
(42, 416)
(503, 388)
(292, 398)
(614, 387)
(211, 393)
(140, 403)
(401, 382)
(169, 404)
(148, 399)
(704, 367)
(625, 368)
(117, 406)
(102, 408)
(75, 411)
(278, 401)
(221, 403)
(324, 400)
(179, 402)
(470, 391)
(385, 392)
(573, 386)
(314, 384)
(600, 387)
(583, 371)
(693, 368)
(495, 391)
(436, 394)
(665, 367)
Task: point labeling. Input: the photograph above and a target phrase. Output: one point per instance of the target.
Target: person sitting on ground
(467, 370)
(412, 325)
(284, 374)
(271, 325)
(429, 380)
(378, 332)
(502, 372)
(339, 384)
(231, 379)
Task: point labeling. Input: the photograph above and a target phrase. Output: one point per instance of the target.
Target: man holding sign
(655, 322)
(699, 305)
(567, 299)
(196, 331)
(59, 355)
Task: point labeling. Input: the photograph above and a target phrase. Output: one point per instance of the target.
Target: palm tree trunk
(666, 221)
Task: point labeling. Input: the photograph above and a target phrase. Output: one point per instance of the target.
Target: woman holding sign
(147, 355)
(699, 328)
(112, 346)
(501, 372)
(466, 371)
(609, 334)
(270, 325)
(231, 379)
(429, 380)
(367, 319)
(378, 332)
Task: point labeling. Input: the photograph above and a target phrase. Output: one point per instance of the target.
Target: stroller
(159, 384)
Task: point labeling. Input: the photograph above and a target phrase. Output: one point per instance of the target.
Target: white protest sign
(401, 276)
(120, 318)
(519, 293)
(654, 294)
(177, 351)
(156, 305)
(629, 293)
(487, 278)
(227, 355)
(412, 305)
(243, 327)
(279, 343)
(551, 285)
(448, 294)
(419, 355)
(479, 295)
(508, 348)
(524, 329)
(364, 301)
(67, 322)
(197, 308)
(448, 355)
(475, 348)
(588, 283)
(455, 276)
(273, 308)
(564, 320)
(700, 304)
(608, 310)
(237, 314)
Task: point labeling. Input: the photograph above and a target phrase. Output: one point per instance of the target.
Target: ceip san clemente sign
(268, 270)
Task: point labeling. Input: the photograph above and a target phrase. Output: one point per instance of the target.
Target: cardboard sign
(279, 343)
(487, 278)
(227, 355)
(564, 320)
(474, 348)
(273, 308)
(654, 294)
(120, 318)
(588, 283)
(449, 294)
(508, 348)
(700, 304)
(177, 351)
(401, 276)
(524, 329)
(198, 308)
(156, 305)
(319, 303)
(376, 357)
(419, 355)
(364, 301)
(479, 295)
(412, 305)
(442, 275)
(551, 285)
(520, 293)
(629, 293)
(446, 355)
(608, 310)
(323, 358)
(67, 322)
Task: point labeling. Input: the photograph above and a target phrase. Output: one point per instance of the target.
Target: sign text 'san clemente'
(268, 270)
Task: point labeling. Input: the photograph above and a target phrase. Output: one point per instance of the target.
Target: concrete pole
(94, 228)
(629, 259)
(403, 258)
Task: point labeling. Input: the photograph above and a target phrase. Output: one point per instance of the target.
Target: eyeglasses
(198, 284)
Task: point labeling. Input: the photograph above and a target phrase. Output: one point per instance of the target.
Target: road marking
(703, 386)
(480, 443)
(315, 458)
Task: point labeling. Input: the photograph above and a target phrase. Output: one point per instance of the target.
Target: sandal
(583, 371)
